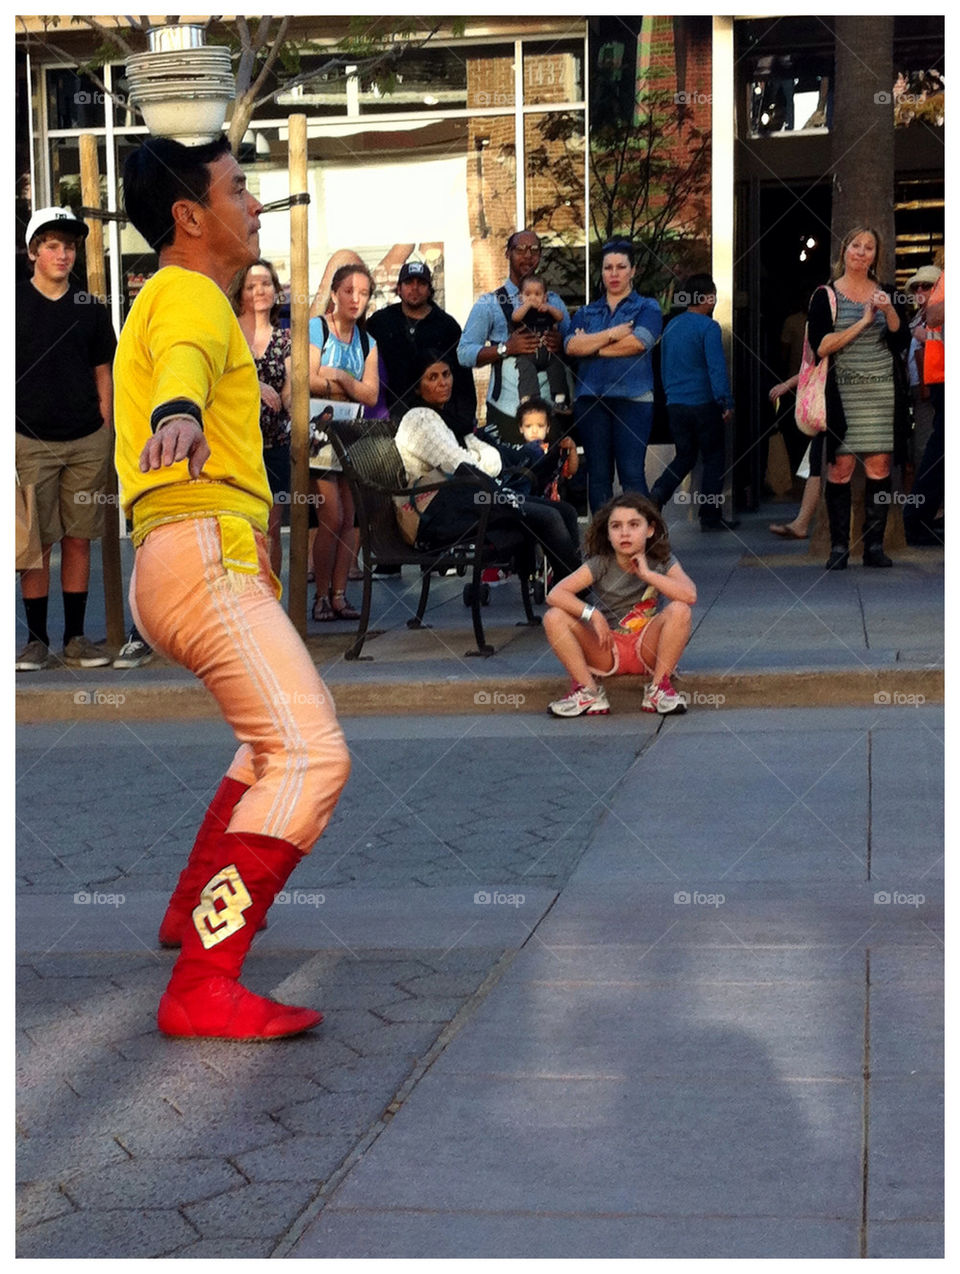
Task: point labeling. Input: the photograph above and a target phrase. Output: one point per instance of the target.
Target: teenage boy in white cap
(64, 407)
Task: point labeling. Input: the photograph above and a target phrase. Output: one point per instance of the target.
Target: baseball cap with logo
(55, 219)
(414, 270)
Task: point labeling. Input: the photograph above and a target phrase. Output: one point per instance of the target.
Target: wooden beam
(97, 284)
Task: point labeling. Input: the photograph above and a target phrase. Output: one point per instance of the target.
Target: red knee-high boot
(204, 997)
(200, 864)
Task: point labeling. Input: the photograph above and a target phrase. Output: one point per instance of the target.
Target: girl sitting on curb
(629, 566)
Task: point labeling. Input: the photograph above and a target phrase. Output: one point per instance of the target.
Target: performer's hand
(177, 440)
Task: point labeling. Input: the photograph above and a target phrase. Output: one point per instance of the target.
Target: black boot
(876, 506)
(837, 495)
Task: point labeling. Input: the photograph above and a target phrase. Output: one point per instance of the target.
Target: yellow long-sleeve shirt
(181, 344)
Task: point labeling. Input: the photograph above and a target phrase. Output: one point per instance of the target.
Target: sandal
(344, 610)
(323, 612)
(786, 532)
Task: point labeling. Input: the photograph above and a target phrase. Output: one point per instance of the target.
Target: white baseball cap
(53, 219)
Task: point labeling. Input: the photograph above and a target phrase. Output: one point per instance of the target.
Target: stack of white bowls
(182, 92)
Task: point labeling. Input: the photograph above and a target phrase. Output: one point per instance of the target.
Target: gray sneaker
(34, 657)
(134, 653)
(80, 652)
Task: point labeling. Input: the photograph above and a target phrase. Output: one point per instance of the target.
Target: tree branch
(111, 34)
(271, 56)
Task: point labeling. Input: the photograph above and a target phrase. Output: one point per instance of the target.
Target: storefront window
(490, 78)
(552, 72)
(554, 189)
(422, 80)
(323, 93)
(789, 93)
(74, 100)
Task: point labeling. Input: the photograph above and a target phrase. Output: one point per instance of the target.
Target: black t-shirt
(59, 343)
(402, 343)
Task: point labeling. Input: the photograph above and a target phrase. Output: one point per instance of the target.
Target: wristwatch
(502, 349)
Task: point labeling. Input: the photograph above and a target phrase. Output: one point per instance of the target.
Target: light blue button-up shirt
(486, 325)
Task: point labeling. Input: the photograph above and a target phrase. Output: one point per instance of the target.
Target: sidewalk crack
(865, 1133)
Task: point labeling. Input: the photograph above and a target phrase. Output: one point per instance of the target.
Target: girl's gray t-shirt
(627, 602)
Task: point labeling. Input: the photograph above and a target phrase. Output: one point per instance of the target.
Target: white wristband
(587, 613)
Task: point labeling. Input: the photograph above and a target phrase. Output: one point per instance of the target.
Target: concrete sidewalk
(724, 1040)
(771, 629)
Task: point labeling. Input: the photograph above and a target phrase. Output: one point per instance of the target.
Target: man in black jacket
(405, 331)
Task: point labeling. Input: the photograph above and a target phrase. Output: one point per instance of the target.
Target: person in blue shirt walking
(699, 402)
(613, 400)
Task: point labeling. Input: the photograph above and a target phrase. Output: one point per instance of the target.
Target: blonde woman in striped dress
(864, 342)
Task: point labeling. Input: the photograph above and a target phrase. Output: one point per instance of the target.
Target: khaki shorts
(70, 478)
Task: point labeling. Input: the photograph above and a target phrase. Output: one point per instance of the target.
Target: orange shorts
(626, 657)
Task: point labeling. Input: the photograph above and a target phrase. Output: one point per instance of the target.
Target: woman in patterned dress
(255, 294)
(864, 412)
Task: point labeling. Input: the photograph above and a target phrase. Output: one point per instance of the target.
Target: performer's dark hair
(159, 173)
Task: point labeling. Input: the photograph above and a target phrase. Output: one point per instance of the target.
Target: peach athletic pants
(230, 630)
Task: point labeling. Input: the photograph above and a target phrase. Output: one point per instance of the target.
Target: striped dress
(864, 377)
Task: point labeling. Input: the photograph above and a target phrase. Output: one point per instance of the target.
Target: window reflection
(789, 94)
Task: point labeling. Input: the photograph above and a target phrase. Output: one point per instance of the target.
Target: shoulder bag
(810, 412)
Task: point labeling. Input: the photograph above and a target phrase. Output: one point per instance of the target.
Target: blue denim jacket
(630, 377)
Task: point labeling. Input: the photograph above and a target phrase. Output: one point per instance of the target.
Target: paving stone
(407, 1039)
(226, 1249)
(64, 990)
(53, 1155)
(262, 1210)
(664, 1031)
(906, 1028)
(122, 1233)
(422, 1008)
(905, 1240)
(237, 1132)
(382, 1234)
(465, 1142)
(308, 1157)
(459, 985)
(140, 1182)
(333, 1113)
(906, 1149)
(40, 1201)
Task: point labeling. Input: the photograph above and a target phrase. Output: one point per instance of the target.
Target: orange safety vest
(933, 345)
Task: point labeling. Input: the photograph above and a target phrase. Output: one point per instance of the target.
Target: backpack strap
(504, 300)
(364, 337)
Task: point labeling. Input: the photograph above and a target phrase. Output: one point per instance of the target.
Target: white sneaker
(663, 699)
(581, 700)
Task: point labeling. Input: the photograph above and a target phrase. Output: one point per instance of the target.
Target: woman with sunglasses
(613, 403)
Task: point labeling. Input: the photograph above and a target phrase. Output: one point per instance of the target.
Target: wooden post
(299, 376)
(97, 284)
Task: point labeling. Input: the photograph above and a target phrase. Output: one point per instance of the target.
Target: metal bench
(372, 466)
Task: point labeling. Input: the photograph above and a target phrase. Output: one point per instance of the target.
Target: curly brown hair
(598, 534)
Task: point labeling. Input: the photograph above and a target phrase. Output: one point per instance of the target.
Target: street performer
(190, 463)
